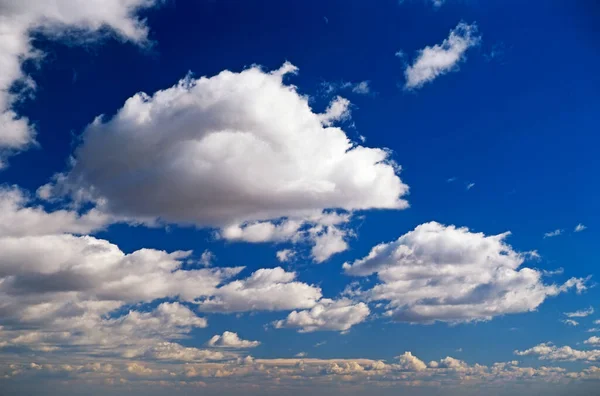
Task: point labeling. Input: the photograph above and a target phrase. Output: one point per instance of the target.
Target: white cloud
(554, 233)
(408, 362)
(570, 322)
(328, 241)
(328, 314)
(252, 138)
(470, 186)
(301, 354)
(19, 218)
(580, 227)
(445, 273)
(207, 258)
(267, 289)
(593, 341)
(548, 351)
(231, 340)
(285, 255)
(441, 58)
(56, 19)
(593, 330)
(362, 87)
(581, 313)
(597, 322)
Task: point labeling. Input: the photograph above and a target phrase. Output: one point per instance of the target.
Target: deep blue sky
(522, 125)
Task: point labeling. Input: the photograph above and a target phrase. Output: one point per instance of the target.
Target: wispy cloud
(554, 233)
(470, 186)
(581, 313)
(440, 59)
(580, 227)
(570, 322)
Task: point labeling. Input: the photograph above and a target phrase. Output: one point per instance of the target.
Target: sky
(271, 197)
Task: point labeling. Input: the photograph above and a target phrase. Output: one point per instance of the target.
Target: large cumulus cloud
(445, 273)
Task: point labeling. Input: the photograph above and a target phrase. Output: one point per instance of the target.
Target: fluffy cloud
(432, 62)
(55, 19)
(253, 139)
(19, 218)
(408, 362)
(231, 340)
(593, 340)
(285, 255)
(267, 289)
(548, 351)
(580, 227)
(445, 273)
(570, 322)
(328, 314)
(581, 313)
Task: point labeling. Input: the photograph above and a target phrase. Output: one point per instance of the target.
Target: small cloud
(557, 271)
(451, 179)
(285, 255)
(580, 314)
(580, 227)
(207, 258)
(496, 53)
(593, 330)
(301, 354)
(400, 54)
(570, 322)
(326, 19)
(318, 344)
(470, 186)
(459, 350)
(533, 255)
(554, 233)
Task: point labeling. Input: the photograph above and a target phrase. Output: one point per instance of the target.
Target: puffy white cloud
(267, 289)
(439, 59)
(328, 314)
(554, 233)
(548, 351)
(580, 227)
(19, 218)
(231, 340)
(445, 273)
(253, 139)
(581, 313)
(593, 340)
(207, 258)
(328, 241)
(55, 18)
(408, 362)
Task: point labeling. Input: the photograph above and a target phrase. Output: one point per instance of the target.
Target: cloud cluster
(440, 59)
(445, 273)
(549, 351)
(328, 314)
(57, 18)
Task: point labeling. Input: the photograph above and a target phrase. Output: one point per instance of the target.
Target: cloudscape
(262, 197)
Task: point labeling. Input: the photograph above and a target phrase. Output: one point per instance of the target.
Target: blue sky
(242, 197)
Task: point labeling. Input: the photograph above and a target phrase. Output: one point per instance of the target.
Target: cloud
(56, 19)
(470, 186)
(445, 273)
(580, 227)
(231, 340)
(267, 289)
(408, 362)
(570, 322)
(548, 351)
(554, 233)
(362, 87)
(440, 59)
(19, 218)
(593, 341)
(273, 165)
(207, 258)
(285, 255)
(581, 313)
(328, 314)
(264, 152)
